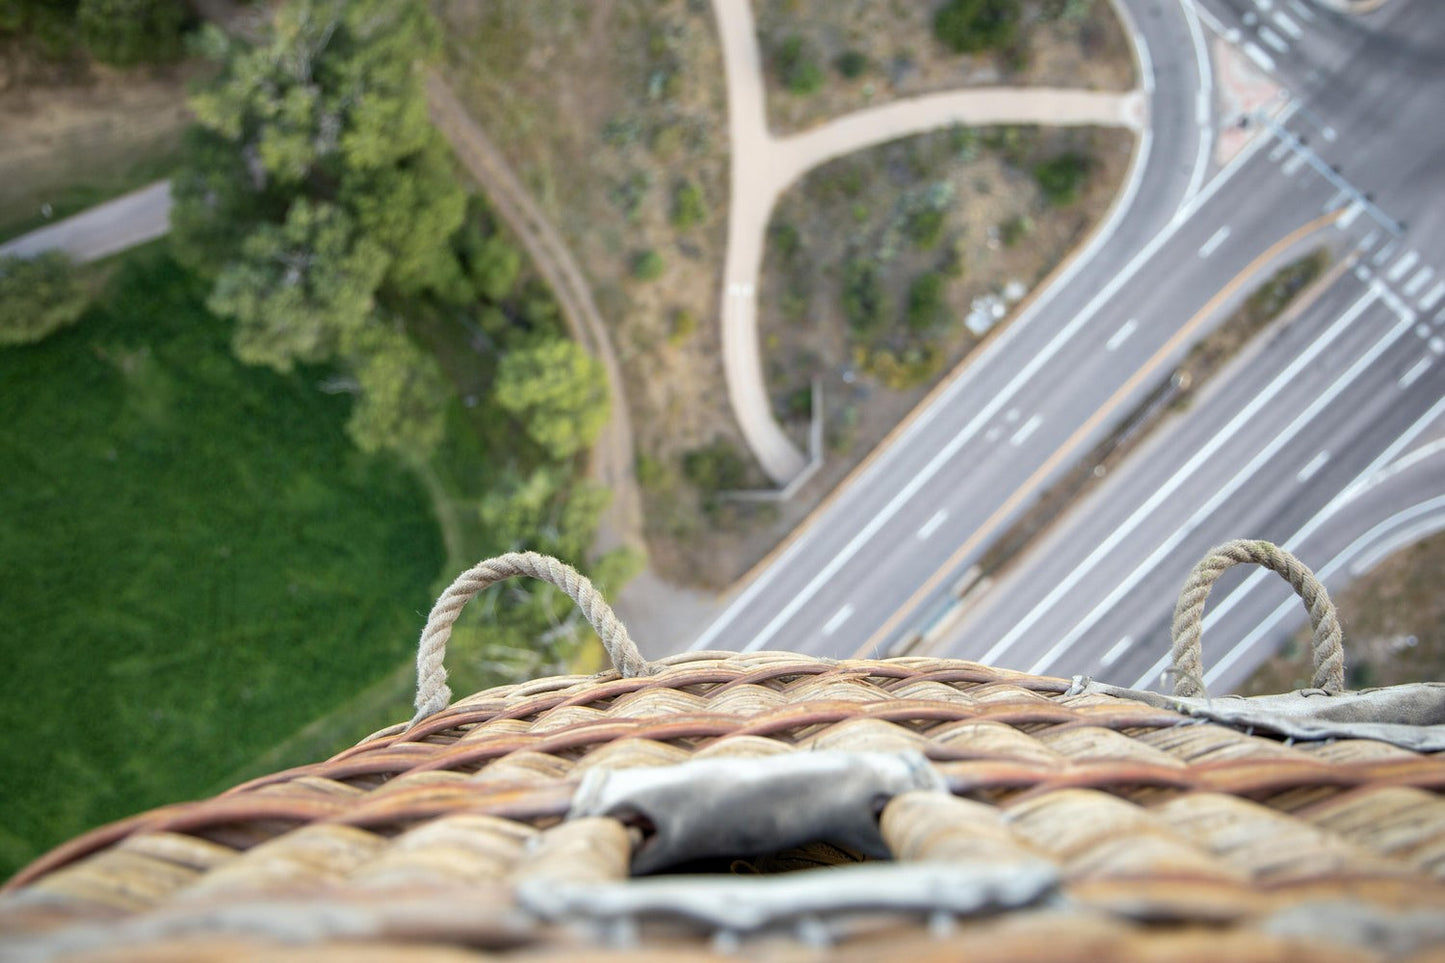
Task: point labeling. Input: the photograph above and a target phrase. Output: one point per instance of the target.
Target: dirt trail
(612, 456)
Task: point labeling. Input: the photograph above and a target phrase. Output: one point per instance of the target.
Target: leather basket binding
(783, 806)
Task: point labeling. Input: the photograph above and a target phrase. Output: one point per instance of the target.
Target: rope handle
(1187, 666)
(432, 692)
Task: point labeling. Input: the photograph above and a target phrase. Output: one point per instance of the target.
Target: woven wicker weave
(1166, 837)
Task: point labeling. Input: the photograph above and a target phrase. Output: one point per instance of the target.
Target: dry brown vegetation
(1394, 621)
(611, 111)
(1060, 44)
(76, 133)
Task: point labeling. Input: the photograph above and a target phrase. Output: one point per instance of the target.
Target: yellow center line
(1035, 481)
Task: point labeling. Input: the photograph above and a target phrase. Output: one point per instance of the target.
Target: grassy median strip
(1175, 392)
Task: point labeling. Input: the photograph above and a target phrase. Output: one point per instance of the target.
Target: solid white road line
(1122, 335)
(1383, 467)
(1119, 649)
(1413, 375)
(1201, 456)
(838, 619)
(1212, 245)
(1314, 465)
(931, 526)
(1206, 96)
(1030, 426)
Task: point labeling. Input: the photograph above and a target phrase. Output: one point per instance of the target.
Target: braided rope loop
(1187, 666)
(432, 692)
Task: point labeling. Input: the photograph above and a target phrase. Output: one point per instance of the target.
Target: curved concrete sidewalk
(763, 166)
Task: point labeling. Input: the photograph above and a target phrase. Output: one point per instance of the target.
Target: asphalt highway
(858, 557)
(1281, 448)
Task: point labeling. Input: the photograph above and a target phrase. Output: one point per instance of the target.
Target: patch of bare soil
(615, 115)
(1394, 622)
(889, 49)
(77, 132)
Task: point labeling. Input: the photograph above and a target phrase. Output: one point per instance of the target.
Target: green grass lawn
(194, 561)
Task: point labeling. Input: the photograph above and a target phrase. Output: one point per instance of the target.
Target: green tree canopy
(37, 297)
(298, 289)
(129, 32)
(557, 390)
(403, 395)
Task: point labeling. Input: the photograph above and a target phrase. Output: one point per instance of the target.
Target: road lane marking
(1423, 330)
(1373, 473)
(1193, 201)
(1411, 376)
(1417, 283)
(1314, 465)
(1012, 415)
(1402, 267)
(1369, 240)
(993, 433)
(1273, 39)
(1437, 345)
(1212, 245)
(1305, 13)
(1108, 409)
(1385, 253)
(1119, 649)
(1203, 108)
(1351, 213)
(1197, 460)
(838, 619)
(1280, 150)
(931, 526)
(1122, 335)
(1287, 25)
(1264, 60)
(1291, 167)
(1030, 426)
(1395, 303)
(1433, 298)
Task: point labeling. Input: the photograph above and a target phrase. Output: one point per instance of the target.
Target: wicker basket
(782, 806)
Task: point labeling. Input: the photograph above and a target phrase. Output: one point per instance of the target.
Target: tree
(129, 32)
(38, 296)
(557, 390)
(299, 288)
(402, 395)
(973, 26)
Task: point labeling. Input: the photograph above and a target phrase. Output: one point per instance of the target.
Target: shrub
(852, 64)
(973, 26)
(798, 70)
(648, 265)
(1061, 177)
(37, 297)
(714, 467)
(1015, 229)
(786, 239)
(129, 32)
(684, 325)
(862, 298)
(688, 207)
(925, 227)
(927, 309)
